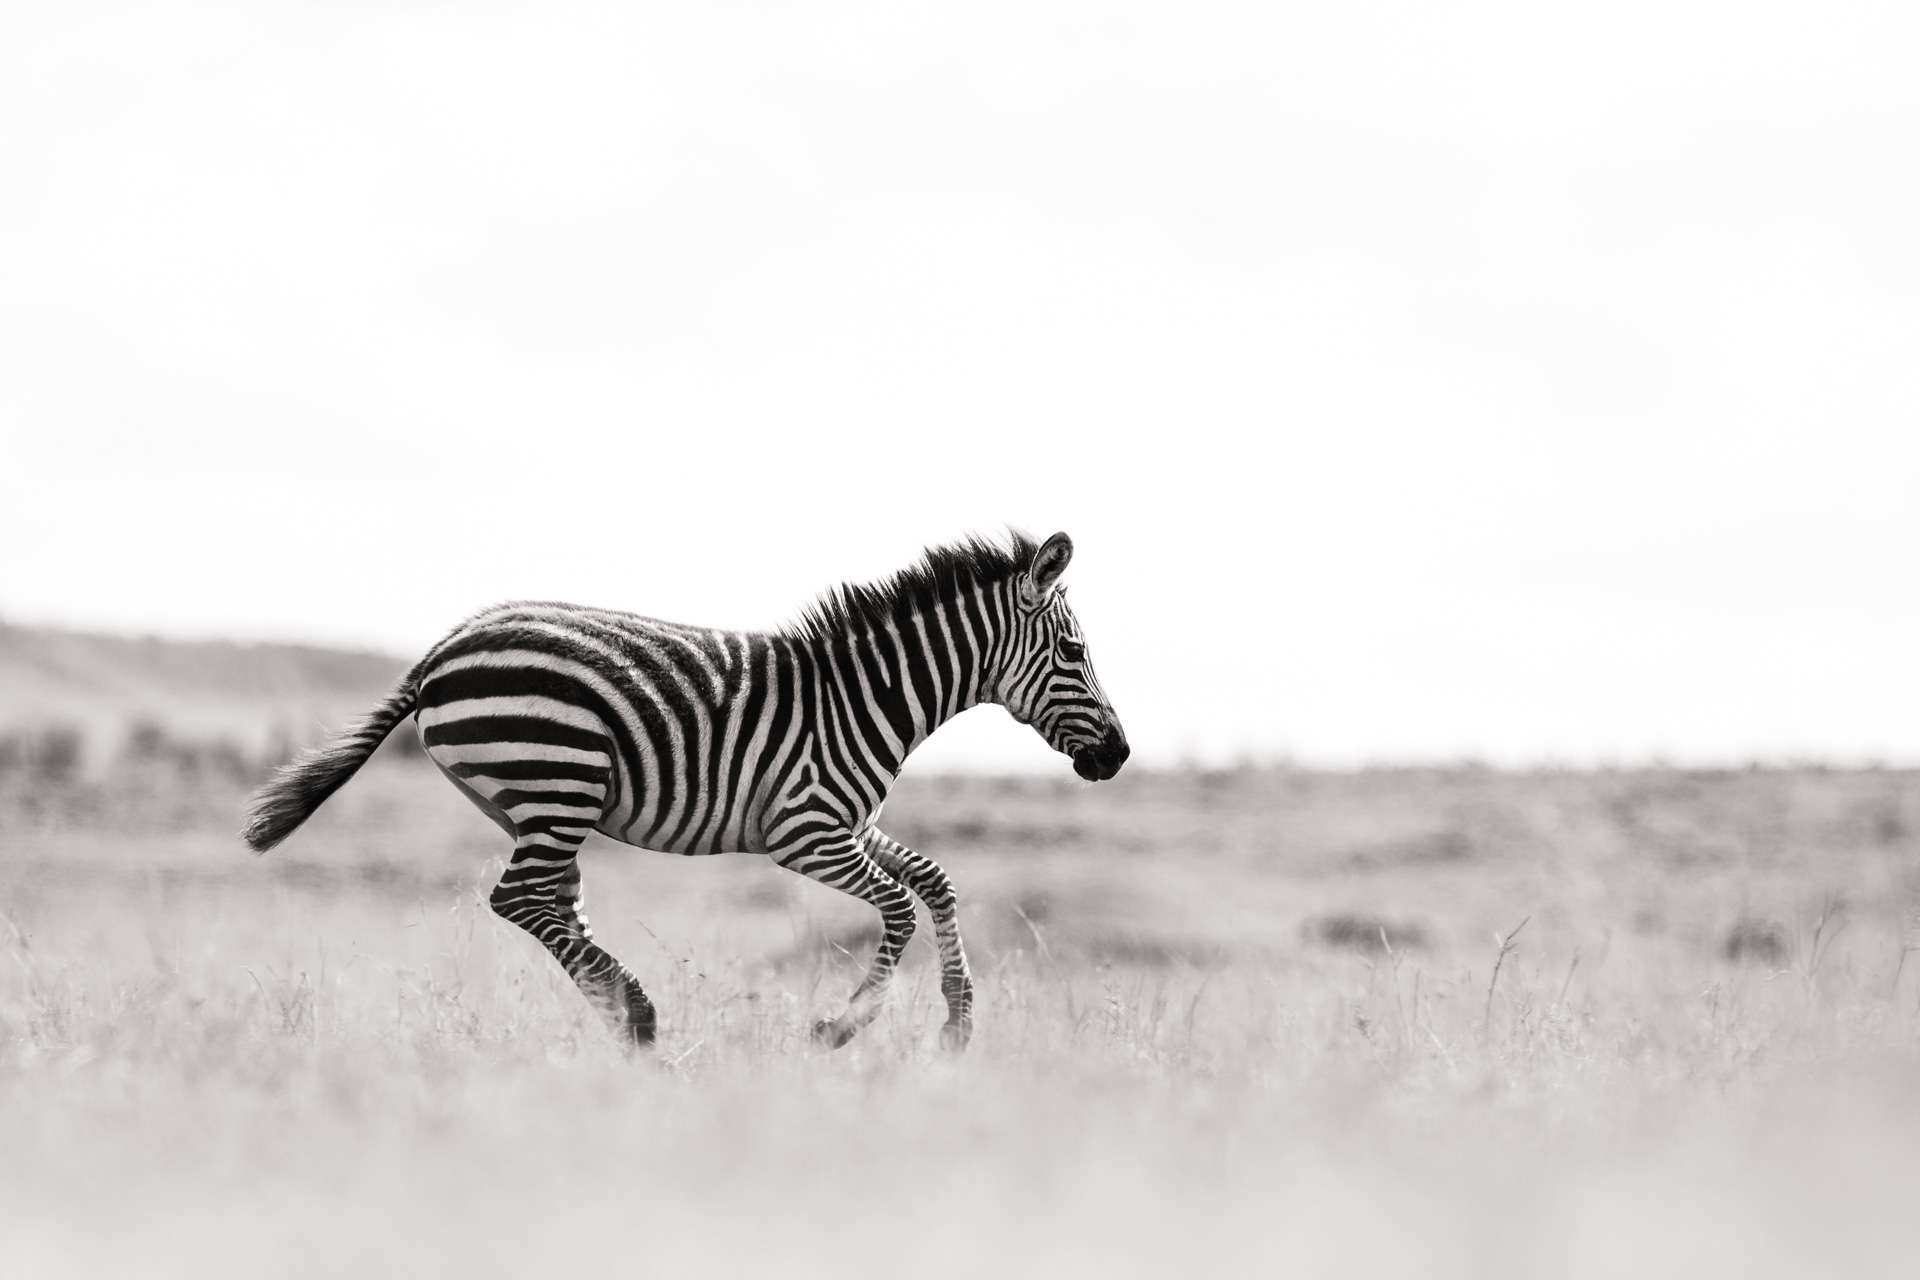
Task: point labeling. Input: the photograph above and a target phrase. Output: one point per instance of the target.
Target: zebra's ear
(1049, 562)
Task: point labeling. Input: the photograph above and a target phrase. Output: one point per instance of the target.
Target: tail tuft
(295, 790)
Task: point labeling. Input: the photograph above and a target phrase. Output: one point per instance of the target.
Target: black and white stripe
(558, 720)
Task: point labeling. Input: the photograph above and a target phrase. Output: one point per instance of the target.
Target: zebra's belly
(652, 812)
(706, 849)
(566, 791)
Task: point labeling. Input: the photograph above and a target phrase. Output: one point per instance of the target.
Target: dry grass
(1230, 1023)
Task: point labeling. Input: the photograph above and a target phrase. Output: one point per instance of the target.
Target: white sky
(1418, 381)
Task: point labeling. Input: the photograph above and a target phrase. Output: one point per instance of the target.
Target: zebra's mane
(940, 575)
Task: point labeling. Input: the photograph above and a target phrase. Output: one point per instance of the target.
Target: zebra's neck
(890, 682)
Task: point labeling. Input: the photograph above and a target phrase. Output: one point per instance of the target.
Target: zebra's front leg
(840, 861)
(930, 884)
(540, 892)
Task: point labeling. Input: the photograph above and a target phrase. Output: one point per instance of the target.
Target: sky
(1514, 382)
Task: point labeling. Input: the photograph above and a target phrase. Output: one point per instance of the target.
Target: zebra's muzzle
(1098, 763)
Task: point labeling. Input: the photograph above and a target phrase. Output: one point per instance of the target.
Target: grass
(1259, 1021)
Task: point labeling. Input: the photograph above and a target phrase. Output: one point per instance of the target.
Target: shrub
(1758, 942)
(51, 753)
(1367, 934)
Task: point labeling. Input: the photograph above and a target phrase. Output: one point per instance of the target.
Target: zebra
(559, 720)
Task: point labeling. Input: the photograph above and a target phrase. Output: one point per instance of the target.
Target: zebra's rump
(542, 763)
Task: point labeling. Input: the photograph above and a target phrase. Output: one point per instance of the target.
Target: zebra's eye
(1070, 650)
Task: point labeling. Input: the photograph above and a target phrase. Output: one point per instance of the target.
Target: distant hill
(253, 695)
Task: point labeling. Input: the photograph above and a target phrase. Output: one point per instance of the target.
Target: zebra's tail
(297, 788)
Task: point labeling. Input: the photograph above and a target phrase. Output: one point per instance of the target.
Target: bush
(1367, 934)
(49, 754)
(1758, 942)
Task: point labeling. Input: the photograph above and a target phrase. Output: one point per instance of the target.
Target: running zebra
(558, 720)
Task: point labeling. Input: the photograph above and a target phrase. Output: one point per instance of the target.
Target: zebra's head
(1047, 679)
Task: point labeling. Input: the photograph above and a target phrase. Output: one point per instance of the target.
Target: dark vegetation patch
(1366, 934)
(1890, 827)
(1761, 942)
(47, 754)
(149, 746)
(1883, 822)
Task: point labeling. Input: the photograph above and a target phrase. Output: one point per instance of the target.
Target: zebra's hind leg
(841, 862)
(930, 884)
(540, 892)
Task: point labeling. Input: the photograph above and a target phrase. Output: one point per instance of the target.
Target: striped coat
(558, 721)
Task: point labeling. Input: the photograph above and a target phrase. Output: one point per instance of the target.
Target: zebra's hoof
(831, 1035)
(635, 1011)
(954, 1036)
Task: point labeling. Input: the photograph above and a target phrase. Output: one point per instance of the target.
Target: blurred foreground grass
(1231, 1023)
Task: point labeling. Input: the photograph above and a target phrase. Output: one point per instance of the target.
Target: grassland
(1231, 1023)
